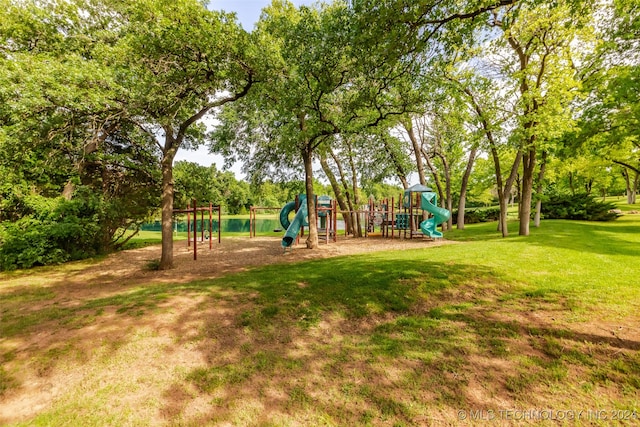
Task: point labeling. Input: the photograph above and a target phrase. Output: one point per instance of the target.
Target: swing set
(193, 209)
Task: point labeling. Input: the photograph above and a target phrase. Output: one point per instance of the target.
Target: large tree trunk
(337, 190)
(166, 257)
(631, 184)
(528, 169)
(627, 181)
(347, 192)
(543, 167)
(506, 194)
(354, 189)
(462, 201)
(307, 157)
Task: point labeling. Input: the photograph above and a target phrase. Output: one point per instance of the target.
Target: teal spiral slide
(300, 219)
(439, 215)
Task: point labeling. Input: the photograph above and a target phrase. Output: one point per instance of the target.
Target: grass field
(488, 329)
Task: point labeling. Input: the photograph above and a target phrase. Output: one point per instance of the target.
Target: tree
(61, 134)
(546, 41)
(177, 62)
(151, 69)
(353, 158)
(610, 123)
(313, 89)
(610, 113)
(194, 181)
(340, 187)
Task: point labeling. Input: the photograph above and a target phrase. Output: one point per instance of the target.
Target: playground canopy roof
(418, 188)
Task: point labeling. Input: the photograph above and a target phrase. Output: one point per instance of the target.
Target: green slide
(284, 214)
(440, 215)
(294, 228)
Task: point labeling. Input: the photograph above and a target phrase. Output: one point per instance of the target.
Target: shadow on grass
(369, 341)
(265, 307)
(381, 338)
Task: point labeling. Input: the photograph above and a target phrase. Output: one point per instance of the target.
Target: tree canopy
(497, 100)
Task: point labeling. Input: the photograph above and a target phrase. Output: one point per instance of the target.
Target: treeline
(487, 102)
(208, 184)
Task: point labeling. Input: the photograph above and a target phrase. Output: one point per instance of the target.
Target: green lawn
(548, 321)
(621, 203)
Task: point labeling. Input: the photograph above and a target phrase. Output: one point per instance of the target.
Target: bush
(577, 206)
(57, 231)
(476, 215)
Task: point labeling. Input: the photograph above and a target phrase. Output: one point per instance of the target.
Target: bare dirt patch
(237, 254)
(123, 350)
(99, 353)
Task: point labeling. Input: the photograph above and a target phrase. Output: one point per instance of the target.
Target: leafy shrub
(476, 215)
(52, 230)
(577, 206)
(56, 231)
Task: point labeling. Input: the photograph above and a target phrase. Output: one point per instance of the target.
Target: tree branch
(217, 103)
(627, 165)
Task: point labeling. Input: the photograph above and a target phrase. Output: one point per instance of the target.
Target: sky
(248, 13)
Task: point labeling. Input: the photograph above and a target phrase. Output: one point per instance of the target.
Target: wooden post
(402, 209)
(210, 226)
(219, 222)
(188, 225)
(250, 222)
(387, 216)
(327, 223)
(392, 212)
(335, 221)
(195, 230)
(202, 225)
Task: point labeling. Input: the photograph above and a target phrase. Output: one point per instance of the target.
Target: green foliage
(56, 231)
(89, 89)
(269, 194)
(577, 206)
(208, 184)
(476, 215)
(194, 181)
(381, 191)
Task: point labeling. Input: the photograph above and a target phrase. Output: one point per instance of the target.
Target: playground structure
(415, 215)
(253, 211)
(325, 212)
(417, 200)
(193, 208)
